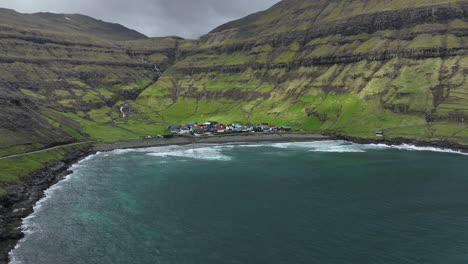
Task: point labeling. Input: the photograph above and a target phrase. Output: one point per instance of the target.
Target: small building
(379, 133)
(220, 129)
(286, 129)
(247, 128)
(198, 132)
(238, 129)
(174, 129)
(184, 130)
(258, 129)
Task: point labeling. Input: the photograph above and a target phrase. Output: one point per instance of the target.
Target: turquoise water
(313, 202)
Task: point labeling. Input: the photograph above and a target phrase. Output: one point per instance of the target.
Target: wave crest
(204, 153)
(341, 146)
(409, 147)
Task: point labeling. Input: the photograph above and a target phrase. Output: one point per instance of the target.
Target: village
(215, 128)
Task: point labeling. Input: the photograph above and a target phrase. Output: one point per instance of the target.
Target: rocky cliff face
(64, 75)
(347, 67)
(73, 26)
(344, 67)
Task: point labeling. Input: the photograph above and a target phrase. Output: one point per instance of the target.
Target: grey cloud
(185, 18)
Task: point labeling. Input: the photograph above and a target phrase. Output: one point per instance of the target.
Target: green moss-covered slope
(345, 67)
(348, 67)
(64, 78)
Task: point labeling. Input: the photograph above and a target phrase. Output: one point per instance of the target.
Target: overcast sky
(185, 18)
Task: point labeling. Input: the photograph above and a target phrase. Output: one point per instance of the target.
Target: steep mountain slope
(70, 24)
(344, 67)
(59, 76)
(347, 67)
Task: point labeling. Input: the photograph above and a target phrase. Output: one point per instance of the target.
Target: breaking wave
(337, 146)
(409, 147)
(323, 146)
(29, 226)
(203, 153)
(341, 146)
(214, 153)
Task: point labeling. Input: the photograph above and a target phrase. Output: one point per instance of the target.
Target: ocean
(308, 202)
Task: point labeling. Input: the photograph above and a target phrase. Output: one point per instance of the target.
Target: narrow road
(47, 149)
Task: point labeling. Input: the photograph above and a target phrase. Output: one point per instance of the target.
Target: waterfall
(122, 111)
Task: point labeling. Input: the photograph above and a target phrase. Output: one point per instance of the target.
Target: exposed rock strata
(19, 201)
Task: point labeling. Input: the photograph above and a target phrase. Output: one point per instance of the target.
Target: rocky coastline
(22, 197)
(400, 141)
(187, 140)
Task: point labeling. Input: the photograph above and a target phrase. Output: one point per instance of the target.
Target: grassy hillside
(343, 67)
(66, 82)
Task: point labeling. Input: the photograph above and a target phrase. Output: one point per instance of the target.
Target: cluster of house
(213, 127)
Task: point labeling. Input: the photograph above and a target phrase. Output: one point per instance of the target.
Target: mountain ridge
(68, 24)
(325, 33)
(342, 67)
(374, 71)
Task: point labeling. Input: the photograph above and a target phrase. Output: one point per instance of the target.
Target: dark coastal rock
(400, 141)
(29, 105)
(20, 199)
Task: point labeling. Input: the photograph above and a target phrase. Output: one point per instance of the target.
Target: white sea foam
(213, 151)
(81, 163)
(341, 146)
(204, 153)
(14, 260)
(322, 146)
(409, 147)
(123, 151)
(339, 149)
(308, 145)
(29, 226)
(143, 150)
(253, 145)
(336, 146)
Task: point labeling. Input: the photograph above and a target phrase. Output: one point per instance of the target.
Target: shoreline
(223, 139)
(400, 141)
(22, 197)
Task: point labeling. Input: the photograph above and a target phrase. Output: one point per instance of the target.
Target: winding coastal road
(138, 143)
(47, 149)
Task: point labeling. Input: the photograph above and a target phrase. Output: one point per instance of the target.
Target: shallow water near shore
(308, 202)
